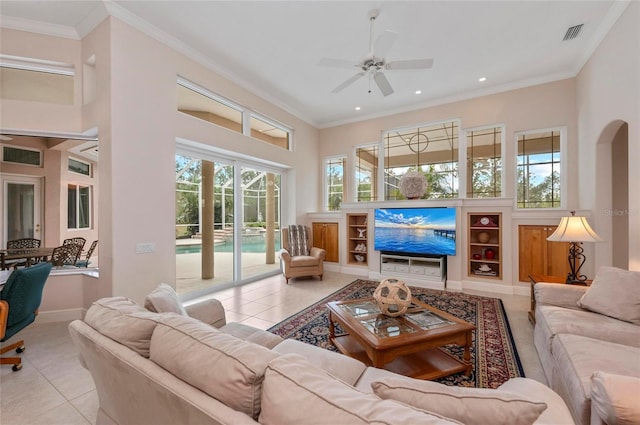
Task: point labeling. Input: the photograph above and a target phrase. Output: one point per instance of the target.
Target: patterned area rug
(493, 354)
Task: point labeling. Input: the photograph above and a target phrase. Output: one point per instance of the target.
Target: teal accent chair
(19, 302)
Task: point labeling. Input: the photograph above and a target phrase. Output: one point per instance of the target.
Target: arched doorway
(612, 177)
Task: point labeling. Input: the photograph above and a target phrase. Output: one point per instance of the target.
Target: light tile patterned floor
(53, 388)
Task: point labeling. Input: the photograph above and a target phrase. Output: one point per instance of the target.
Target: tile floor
(53, 388)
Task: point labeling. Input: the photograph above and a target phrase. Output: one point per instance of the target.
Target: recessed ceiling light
(418, 91)
(482, 79)
(357, 108)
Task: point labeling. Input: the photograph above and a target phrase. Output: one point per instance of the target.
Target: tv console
(432, 268)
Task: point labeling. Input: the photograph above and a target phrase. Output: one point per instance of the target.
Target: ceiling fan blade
(337, 63)
(384, 43)
(348, 82)
(383, 83)
(411, 64)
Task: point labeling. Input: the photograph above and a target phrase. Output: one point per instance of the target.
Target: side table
(535, 278)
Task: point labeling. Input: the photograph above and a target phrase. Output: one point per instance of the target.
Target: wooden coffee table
(409, 345)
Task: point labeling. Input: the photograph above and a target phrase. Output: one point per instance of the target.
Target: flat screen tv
(416, 231)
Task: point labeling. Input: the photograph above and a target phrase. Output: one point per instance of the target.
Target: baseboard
(355, 270)
(454, 285)
(332, 267)
(487, 287)
(60, 315)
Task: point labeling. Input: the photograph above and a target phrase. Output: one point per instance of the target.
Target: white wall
(608, 94)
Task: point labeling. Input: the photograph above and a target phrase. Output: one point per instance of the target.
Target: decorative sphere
(483, 237)
(413, 185)
(393, 297)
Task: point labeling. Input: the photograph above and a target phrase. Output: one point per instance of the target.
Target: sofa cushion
(295, 392)
(615, 398)
(614, 292)
(553, 320)
(304, 261)
(164, 299)
(251, 334)
(338, 365)
(577, 357)
(123, 321)
(227, 368)
(471, 406)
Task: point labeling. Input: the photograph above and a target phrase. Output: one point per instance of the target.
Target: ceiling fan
(374, 63)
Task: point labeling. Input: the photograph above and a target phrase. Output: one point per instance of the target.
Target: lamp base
(573, 280)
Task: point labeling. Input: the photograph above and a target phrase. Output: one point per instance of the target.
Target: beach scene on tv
(425, 231)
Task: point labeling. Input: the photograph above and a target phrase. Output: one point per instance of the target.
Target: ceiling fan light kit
(375, 61)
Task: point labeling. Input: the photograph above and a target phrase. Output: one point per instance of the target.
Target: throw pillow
(164, 299)
(615, 293)
(615, 398)
(471, 406)
(124, 321)
(296, 392)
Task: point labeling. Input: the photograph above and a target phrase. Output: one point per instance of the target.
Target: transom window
(202, 104)
(208, 106)
(80, 167)
(19, 155)
(36, 80)
(431, 149)
(268, 131)
(538, 168)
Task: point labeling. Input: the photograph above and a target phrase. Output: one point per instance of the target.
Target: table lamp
(575, 230)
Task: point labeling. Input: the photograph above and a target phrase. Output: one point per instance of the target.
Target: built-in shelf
(357, 239)
(485, 245)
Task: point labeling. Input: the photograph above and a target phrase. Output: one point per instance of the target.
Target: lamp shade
(574, 229)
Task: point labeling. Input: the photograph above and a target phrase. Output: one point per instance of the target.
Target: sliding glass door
(227, 222)
(260, 238)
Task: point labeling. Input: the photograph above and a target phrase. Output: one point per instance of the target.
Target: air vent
(573, 32)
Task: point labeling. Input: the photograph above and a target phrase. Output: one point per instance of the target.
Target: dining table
(29, 255)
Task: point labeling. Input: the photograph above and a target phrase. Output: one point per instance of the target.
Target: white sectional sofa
(588, 341)
(190, 367)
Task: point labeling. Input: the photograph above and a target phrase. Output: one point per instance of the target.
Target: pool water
(258, 246)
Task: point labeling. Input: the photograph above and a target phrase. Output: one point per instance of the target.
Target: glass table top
(369, 315)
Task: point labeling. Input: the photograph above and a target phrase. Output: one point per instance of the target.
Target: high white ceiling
(273, 47)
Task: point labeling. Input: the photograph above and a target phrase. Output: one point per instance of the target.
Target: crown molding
(92, 20)
(467, 95)
(54, 30)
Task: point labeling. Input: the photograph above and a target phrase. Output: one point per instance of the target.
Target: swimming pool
(253, 246)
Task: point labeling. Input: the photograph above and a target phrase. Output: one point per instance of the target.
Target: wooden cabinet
(357, 239)
(325, 236)
(538, 256)
(485, 245)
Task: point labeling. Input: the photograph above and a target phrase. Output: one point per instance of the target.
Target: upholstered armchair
(301, 263)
